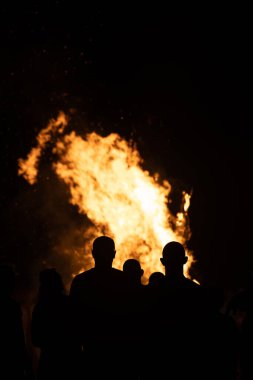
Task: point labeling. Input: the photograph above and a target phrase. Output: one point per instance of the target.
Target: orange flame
(108, 184)
(29, 168)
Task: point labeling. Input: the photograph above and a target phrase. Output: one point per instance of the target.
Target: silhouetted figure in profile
(98, 297)
(50, 329)
(14, 360)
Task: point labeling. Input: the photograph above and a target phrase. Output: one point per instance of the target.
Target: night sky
(177, 82)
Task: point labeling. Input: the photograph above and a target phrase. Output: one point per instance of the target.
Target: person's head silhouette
(155, 279)
(103, 252)
(174, 258)
(51, 283)
(133, 271)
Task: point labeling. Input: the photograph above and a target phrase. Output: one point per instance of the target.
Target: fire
(108, 185)
(29, 167)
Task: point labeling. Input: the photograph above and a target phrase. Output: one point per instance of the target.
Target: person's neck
(103, 268)
(174, 275)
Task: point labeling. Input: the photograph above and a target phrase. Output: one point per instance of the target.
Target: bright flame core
(109, 186)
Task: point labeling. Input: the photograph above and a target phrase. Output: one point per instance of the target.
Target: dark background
(176, 81)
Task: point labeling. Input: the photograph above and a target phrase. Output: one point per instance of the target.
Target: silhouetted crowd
(111, 326)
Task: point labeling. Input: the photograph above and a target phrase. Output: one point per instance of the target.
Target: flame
(29, 168)
(109, 186)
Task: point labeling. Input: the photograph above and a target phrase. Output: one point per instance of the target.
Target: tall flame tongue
(109, 186)
(29, 168)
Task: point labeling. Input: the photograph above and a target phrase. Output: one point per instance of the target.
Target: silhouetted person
(14, 361)
(172, 310)
(98, 296)
(135, 316)
(182, 294)
(193, 316)
(51, 329)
